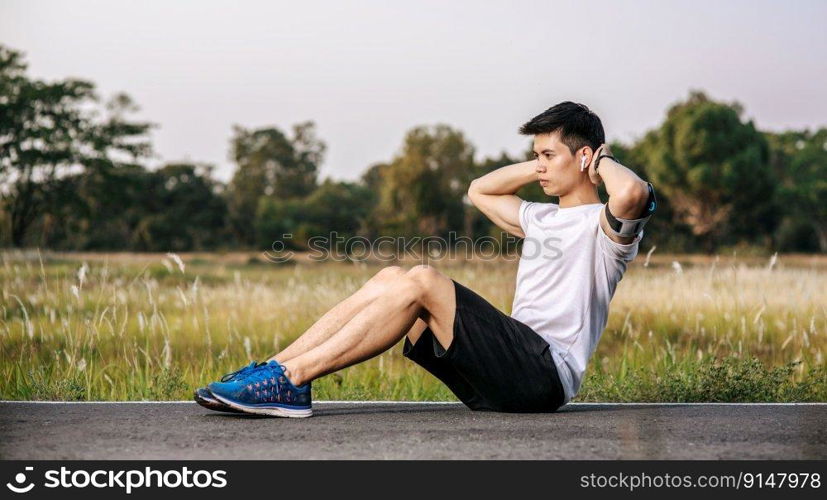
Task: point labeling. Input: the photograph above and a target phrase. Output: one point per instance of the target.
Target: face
(558, 171)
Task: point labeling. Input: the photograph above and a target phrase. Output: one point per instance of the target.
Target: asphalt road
(30, 431)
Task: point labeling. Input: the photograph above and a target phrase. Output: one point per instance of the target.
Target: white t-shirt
(568, 272)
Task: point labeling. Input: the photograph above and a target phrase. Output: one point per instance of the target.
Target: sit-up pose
(573, 256)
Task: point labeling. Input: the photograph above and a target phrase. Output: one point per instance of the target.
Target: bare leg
(338, 316)
(423, 293)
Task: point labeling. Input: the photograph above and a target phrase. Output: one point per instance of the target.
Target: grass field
(141, 326)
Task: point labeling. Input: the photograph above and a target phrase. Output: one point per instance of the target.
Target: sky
(368, 71)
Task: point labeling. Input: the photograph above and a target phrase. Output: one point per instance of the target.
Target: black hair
(578, 125)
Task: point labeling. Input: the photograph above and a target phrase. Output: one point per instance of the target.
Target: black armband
(632, 227)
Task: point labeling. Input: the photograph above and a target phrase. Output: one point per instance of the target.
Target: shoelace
(269, 381)
(242, 372)
(255, 373)
(273, 374)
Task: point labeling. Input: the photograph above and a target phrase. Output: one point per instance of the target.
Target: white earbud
(582, 163)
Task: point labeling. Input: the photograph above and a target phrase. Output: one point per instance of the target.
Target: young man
(574, 254)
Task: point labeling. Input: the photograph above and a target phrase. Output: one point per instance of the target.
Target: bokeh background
(151, 152)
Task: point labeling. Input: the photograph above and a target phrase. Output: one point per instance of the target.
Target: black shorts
(494, 363)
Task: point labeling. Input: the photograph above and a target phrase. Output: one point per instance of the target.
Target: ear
(587, 153)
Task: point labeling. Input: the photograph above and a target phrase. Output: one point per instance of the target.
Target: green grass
(139, 328)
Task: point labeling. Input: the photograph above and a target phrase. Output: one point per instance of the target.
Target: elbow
(633, 198)
(473, 191)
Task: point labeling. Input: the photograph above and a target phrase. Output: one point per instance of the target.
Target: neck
(581, 196)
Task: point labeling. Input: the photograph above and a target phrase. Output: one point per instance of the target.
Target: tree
(184, 210)
(422, 189)
(96, 209)
(709, 164)
(50, 129)
(664, 230)
(373, 177)
(178, 207)
(799, 159)
(269, 164)
(340, 207)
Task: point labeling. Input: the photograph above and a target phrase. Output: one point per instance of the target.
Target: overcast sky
(368, 71)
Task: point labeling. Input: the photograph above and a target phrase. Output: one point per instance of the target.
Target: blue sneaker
(240, 373)
(203, 396)
(265, 390)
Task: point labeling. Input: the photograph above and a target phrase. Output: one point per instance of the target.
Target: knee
(388, 273)
(384, 277)
(426, 277)
(416, 282)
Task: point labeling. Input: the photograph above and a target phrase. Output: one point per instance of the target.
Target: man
(574, 254)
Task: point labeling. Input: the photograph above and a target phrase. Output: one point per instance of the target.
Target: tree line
(74, 176)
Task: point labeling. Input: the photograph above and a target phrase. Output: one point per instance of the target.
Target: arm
(493, 194)
(627, 192)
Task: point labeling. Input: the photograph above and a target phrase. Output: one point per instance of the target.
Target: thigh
(506, 362)
(438, 300)
(428, 353)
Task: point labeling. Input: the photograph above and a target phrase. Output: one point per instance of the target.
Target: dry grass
(137, 326)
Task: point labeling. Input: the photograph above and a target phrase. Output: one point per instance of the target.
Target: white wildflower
(194, 288)
(677, 267)
(248, 348)
(175, 258)
(167, 353)
(76, 291)
(26, 320)
(183, 297)
(648, 255)
(82, 273)
(81, 365)
(758, 314)
(772, 262)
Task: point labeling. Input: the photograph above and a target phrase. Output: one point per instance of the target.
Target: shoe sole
(273, 411)
(214, 404)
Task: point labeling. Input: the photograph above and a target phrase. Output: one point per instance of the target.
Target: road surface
(387, 430)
